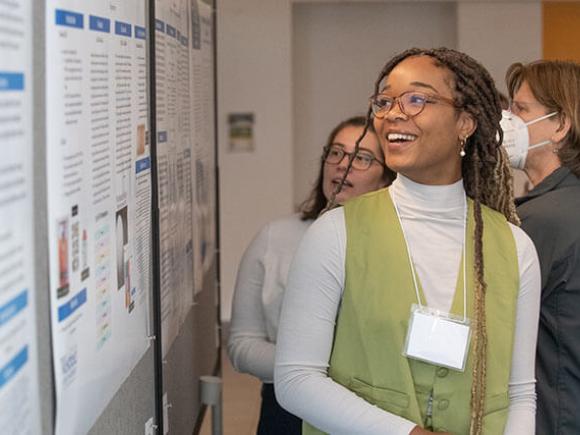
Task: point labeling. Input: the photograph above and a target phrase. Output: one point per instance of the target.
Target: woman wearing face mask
(264, 267)
(384, 292)
(546, 102)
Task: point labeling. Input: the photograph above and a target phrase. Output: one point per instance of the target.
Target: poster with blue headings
(174, 156)
(19, 395)
(99, 201)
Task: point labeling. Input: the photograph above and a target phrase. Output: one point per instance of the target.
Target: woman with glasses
(262, 273)
(414, 309)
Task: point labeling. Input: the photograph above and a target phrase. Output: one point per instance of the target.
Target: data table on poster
(174, 160)
(19, 393)
(185, 155)
(99, 200)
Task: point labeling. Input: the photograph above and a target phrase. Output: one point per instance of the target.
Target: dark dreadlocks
(486, 178)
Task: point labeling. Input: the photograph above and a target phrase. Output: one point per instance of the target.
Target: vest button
(443, 405)
(442, 372)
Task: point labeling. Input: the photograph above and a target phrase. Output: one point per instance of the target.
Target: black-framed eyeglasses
(363, 160)
(411, 103)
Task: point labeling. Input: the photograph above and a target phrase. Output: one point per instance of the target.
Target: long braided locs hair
(486, 177)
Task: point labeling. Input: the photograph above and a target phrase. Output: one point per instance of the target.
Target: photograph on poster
(62, 250)
(122, 239)
(84, 256)
(141, 140)
(74, 237)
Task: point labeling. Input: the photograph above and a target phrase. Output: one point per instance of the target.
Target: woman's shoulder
(523, 240)
(284, 231)
(366, 197)
(288, 224)
(524, 243)
(366, 206)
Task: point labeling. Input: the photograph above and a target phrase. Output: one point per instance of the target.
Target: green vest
(374, 314)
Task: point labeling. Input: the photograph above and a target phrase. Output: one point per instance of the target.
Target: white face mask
(516, 138)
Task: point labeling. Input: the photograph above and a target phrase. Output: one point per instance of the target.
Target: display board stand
(156, 311)
(159, 392)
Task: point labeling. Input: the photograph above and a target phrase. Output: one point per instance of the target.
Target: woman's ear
(466, 125)
(563, 129)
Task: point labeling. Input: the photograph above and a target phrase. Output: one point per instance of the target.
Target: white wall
(499, 34)
(255, 74)
(338, 52)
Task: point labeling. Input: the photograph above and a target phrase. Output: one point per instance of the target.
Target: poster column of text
(99, 196)
(19, 395)
(202, 125)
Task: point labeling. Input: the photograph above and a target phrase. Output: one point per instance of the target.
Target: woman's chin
(342, 197)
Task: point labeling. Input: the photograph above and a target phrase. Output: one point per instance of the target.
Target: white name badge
(437, 338)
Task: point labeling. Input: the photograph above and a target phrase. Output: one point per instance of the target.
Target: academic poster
(19, 395)
(99, 200)
(174, 160)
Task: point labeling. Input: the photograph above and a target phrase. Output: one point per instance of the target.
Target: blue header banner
(160, 26)
(65, 310)
(171, 31)
(69, 19)
(143, 164)
(99, 24)
(13, 367)
(13, 307)
(123, 29)
(11, 81)
(140, 32)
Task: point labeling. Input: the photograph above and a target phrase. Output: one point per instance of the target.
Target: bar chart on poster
(99, 201)
(19, 393)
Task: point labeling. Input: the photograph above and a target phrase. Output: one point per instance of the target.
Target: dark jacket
(550, 215)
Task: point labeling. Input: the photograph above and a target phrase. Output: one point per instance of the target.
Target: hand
(420, 431)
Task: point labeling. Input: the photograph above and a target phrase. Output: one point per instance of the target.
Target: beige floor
(241, 403)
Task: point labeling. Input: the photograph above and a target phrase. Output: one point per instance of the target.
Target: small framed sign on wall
(241, 132)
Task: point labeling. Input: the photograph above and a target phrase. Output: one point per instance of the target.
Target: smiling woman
(424, 148)
(263, 271)
(402, 316)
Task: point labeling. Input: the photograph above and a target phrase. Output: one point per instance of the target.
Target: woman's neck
(429, 196)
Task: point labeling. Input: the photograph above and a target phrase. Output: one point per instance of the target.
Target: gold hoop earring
(462, 143)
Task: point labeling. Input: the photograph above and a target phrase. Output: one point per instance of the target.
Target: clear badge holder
(437, 338)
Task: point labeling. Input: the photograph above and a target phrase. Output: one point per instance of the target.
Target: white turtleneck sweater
(433, 222)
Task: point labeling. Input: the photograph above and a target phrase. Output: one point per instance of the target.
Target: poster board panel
(99, 201)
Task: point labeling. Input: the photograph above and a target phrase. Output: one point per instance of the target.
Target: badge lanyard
(435, 337)
(411, 258)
